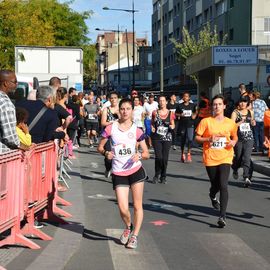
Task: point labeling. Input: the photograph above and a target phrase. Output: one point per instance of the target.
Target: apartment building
(245, 22)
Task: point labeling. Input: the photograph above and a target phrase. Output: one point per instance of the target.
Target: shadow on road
(202, 209)
(91, 235)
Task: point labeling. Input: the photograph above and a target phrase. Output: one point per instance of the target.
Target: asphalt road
(179, 231)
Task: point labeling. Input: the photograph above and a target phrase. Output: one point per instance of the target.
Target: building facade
(115, 62)
(245, 22)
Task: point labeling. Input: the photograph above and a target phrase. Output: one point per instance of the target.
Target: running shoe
(38, 225)
(155, 180)
(91, 145)
(221, 222)
(163, 180)
(132, 242)
(126, 234)
(189, 159)
(183, 158)
(247, 182)
(174, 147)
(107, 174)
(235, 175)
(215, 202)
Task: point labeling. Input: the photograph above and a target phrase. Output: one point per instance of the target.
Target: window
(199, 20)
(220, 35)
(149, 75)
(231, 3)
(231, 34)
(266, 24)
(210, 13)
(165, 40)
(149, 59)
(206, 15)
(220, 8)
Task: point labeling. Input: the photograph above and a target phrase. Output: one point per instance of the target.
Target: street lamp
(161, 48)
(129, 11)
(118, 45)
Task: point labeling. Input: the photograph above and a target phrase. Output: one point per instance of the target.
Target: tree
(89, 64)
(191, 46)
(39, 23)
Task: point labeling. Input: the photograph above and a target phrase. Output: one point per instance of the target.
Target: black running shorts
(129, 180)
(91, 126)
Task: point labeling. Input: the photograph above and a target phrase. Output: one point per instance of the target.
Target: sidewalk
(66, 238)
(261, 164)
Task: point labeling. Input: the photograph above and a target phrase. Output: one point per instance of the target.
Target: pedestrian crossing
(226, 250)
(145, 257)
(230, 252)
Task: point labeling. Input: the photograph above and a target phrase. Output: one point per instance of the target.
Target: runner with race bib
(162, 126)
(187, 112)
(218, 135)
(244, 119)
(127, 171)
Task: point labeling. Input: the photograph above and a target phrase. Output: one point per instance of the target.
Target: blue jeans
(259, 135)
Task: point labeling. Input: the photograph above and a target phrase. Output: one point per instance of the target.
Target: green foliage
(89, 63)
(191, 46)
(39, 23)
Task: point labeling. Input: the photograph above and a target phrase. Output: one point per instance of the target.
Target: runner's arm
(104, 122)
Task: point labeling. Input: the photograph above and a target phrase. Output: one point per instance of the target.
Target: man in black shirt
(187, 113)
(45, 128)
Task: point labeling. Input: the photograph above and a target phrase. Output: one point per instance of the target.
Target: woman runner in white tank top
(127, 170)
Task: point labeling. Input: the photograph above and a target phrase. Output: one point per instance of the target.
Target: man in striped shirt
(8, 136)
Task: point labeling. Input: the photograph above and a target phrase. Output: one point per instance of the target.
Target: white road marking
(101, 197)
(145, 257)
(94, 165)
(230, 252)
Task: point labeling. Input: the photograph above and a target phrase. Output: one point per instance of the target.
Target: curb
(262, 166)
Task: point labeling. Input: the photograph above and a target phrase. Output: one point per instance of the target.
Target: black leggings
(187, 135)
(162, 149)
(219, 176)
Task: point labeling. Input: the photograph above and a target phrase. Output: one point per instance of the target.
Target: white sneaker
(174, 147)
(247, 182)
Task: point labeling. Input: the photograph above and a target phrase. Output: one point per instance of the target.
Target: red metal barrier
(12, 199)
(28, 190)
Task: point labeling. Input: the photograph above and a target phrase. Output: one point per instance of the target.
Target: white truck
(46, 62)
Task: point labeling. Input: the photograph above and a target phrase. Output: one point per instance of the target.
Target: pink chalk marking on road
(159, 222)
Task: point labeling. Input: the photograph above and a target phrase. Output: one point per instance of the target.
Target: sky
(110, 19)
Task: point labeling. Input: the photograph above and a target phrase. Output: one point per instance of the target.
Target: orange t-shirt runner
(216, 153)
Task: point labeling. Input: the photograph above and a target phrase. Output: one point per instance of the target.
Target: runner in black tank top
(108, 116)
(243, 149)
(162, 126)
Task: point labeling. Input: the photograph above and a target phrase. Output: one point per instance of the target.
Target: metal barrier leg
(65, 172)
(66, 164)
(62, 179)
(69, 161)
(29, 228)
(61, 201)
(16, 237)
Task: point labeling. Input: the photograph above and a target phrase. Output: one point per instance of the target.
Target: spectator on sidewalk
(45, 128)
(8, 135)
(22, 128)
(55, 83)
(259, 107)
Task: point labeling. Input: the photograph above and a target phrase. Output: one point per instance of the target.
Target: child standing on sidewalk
(22, 128)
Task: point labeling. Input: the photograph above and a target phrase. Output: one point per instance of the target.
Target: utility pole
(161, 48)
